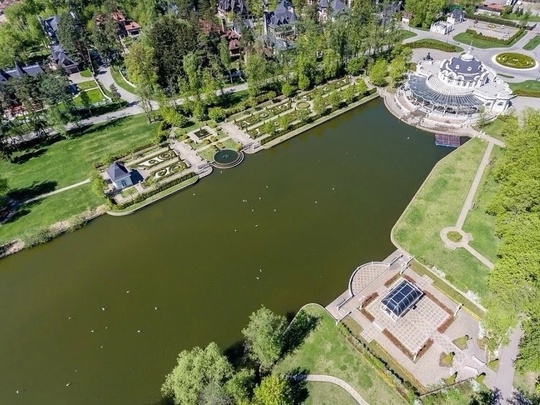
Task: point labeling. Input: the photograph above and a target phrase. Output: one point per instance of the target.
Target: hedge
(144, 196)
(527, 93)
(433, 44)
(493, 20)
(508, 41)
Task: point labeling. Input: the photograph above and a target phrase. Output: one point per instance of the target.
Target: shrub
(501, 41)
(433, 44)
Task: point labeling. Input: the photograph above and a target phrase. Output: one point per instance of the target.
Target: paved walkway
(105, 77)
(505, 374)
(60, 190)
(337, 381)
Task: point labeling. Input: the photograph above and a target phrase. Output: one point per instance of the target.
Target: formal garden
(515, 60)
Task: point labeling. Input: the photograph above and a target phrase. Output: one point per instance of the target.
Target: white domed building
(454, 90)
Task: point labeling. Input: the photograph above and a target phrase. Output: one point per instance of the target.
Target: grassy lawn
(525, 381)
(326, 351)
(94, 96)
(69, 161)
(483, 43)
(496, 128)
(44, 213)
(321, 393)
(527, 85)
(86, 73)
(479, 223)
(89, 84)
(407, 34)
(532, 44)
(120, 82)
(437, 205)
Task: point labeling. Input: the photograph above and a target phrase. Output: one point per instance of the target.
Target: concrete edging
(319, 121)
(147, 203)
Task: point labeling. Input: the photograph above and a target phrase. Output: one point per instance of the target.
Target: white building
(460, 88)
(441, 27)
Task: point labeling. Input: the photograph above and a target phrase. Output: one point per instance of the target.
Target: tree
(256, 72)
(424, 12)
(273, 390)
(115, 94)
(73, 38)
(319, 105)
(361, 87)
(284, 122)
(263, 336)
(287, 89)
(85, 101)
(396, 70)
(268, 127)
(240, 386)
(356, 65)
(349, 93)
(215, 394)
(377, 73)
(334, 99)
(140, 64)
(330, 63)
(216, 113)
(196, 370)
(225, 57)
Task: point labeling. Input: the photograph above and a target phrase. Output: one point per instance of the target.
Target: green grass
(405, 34)
(120, 82)
(498, 127)
(46, 212)
(326, 351)
(321, 393)
(94, 96)
(461, 342)
(526, 381)
(436, 206)
(86, 73)
(458, 395)
(434, 44)
(89, 84)
(533, 43)
(483, 43)
(71, 160)
(494, 365)
(527, 85)
(478, 222)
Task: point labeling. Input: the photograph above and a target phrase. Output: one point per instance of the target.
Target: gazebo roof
(117, 171)
(420, 89)
(401, 298)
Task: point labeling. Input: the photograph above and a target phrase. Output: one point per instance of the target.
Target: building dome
(465, 65)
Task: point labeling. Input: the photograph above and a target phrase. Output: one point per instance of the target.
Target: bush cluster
(433, 44)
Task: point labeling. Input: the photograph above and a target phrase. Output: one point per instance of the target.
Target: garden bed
(515, 60)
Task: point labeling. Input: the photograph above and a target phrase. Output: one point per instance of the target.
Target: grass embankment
(528, 88)
(533, 43)
(70, 161)
(63, 163)
(479, 223)
(321, 393)
(437, 205)
(42, 214)
(405, 34)
(326, 351)
(121, 82)
(483, 43)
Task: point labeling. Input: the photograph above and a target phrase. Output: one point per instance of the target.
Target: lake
(99, 315)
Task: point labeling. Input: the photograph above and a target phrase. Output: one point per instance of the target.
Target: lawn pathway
(60, 190)
(339, 382)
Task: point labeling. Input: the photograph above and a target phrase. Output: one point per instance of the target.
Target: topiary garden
(515, 60)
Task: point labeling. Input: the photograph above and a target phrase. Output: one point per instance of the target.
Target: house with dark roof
(236, 7)
(280, 26)
(456, 16)
(401, 299)
(330, 8)
(60, 60)
(119, 175)
(20, 71)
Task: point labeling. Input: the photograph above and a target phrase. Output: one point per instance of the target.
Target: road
(505, 374)
(339, 382)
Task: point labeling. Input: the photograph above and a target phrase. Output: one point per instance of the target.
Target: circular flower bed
(302, 105)
(166, 155)
(515, 60)
(454, 236)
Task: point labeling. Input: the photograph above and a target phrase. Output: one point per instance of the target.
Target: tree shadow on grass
(17, 198)
(93, 128)
(28, 155)
(520, 398)
(298, 384)
(298, 331)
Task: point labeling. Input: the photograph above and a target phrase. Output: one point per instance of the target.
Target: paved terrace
(417, 326)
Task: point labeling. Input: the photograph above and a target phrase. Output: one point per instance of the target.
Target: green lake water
(317, 206)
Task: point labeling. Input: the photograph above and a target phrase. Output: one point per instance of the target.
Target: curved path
(339, 382)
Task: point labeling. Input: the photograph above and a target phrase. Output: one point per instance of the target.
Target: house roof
(19, 71)
(336, 6)
(457, 13)
(236, 6)
(60, 57)
(51, 23)
(401, 298)
(465, 64)
(117, 171)
(131, 25)
(282, 15)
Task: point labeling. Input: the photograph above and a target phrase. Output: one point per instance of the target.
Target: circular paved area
(364, 275)
(465, 238)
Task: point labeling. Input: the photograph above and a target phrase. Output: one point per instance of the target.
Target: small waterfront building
(120, 175)
(459, 88)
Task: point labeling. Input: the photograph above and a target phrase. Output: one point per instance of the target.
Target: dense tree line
(514, 284)
(206, 376)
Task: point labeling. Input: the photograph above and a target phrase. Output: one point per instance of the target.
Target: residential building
(456, 16)
(280, 26)
(119, 175)
(330, 8)
(60, 60)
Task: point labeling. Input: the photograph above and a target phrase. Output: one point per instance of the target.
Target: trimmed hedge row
(527, 93)
(144, 196)
(508, 41)
(493, 20)
(433, 44)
